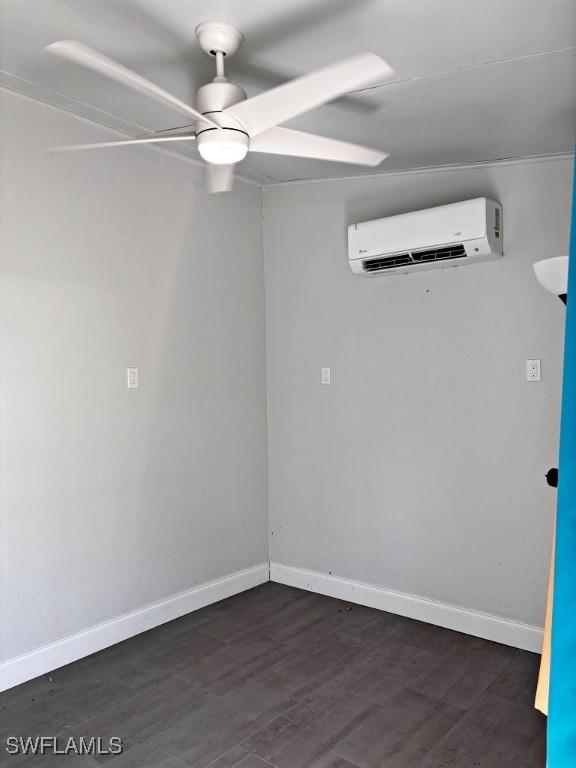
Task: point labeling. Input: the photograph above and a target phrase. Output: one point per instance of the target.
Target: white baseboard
(485, 625)
(68, 649)
(21, 668)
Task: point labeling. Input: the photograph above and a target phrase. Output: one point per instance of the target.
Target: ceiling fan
(228, 125)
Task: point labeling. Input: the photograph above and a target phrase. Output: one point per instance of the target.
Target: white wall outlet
(326, 379)
(533, 372)
(132, 378)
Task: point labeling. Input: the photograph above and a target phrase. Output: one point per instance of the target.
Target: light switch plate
(326, 378)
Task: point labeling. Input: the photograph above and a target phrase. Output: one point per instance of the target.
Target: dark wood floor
(281, 677)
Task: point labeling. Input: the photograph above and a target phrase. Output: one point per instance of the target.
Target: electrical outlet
(533, 372)
(326, 378)
(132, 378)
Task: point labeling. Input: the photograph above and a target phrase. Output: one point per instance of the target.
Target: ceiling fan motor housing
(230, 144)
(218, 95)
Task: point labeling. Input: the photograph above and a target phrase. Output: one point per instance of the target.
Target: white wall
(421, 468)
(113, 498)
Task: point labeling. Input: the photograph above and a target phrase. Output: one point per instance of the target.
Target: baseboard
(485, 625)
(37, 662)
(68, 649)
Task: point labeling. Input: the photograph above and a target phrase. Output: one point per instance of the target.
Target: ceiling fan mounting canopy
(215, 37)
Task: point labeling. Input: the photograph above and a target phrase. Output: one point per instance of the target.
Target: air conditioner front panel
(411, 231)
(449, 235)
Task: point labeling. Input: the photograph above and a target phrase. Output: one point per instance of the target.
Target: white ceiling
(475, 81)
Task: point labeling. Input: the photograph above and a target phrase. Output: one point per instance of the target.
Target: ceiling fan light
(223, 147)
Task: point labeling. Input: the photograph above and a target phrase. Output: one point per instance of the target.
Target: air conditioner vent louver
(436, 254)
(382, 263)
(386, 262)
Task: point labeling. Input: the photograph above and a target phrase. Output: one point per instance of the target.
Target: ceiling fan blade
(274, 107)
(285, 141)
(126, 142)
(220, 178)
(87, 57)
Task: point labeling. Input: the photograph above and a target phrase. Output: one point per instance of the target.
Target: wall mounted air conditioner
(446, 236)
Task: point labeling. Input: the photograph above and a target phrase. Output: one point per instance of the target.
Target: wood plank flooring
(286, 678)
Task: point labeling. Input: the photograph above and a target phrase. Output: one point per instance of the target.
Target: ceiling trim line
(415, 79)
(520, 159)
